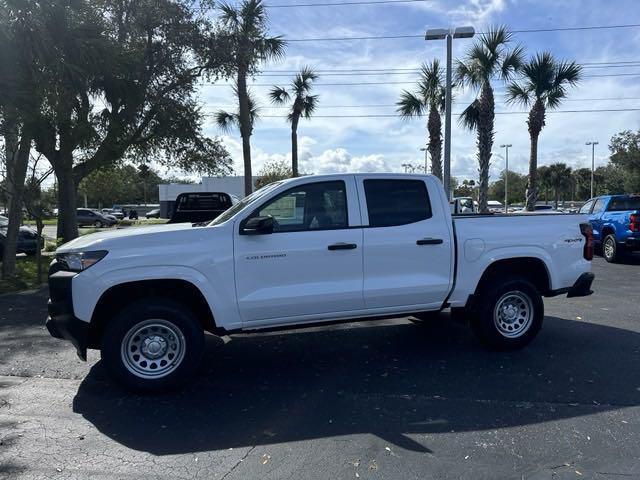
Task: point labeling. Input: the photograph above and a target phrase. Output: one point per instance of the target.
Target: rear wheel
(153, 345)
(610, 250)
(97, 224)
(509, 314)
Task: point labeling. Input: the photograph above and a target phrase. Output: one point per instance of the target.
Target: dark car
(198, 207)
(28, 241)
(87, 216)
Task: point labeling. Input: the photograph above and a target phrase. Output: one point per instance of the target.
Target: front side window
(314, 206)
(396, 202)
(599, 206)
(586, 208)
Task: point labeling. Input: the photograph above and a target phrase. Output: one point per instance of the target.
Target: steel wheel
(153, 348)
(513, 314)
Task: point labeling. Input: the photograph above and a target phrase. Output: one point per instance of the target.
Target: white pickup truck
(309, 250)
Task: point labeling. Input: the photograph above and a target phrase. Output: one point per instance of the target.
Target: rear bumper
(581, 287)
(61, 322)
(632, 243)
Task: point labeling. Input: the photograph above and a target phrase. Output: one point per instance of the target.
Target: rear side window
(396, 202)
(618, 204)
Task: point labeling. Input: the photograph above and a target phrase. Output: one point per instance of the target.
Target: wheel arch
(179, 290)
(531, 268)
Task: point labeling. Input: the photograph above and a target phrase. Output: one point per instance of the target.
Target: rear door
(596, 218)
(407, 242)
(312, 262)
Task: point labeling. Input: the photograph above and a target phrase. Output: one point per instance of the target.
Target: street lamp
(593, 152)
(449, 35)
(506, 147)
(425, 159)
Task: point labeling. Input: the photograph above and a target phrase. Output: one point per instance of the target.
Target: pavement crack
(238, 462)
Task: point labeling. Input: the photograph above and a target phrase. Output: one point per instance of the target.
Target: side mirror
(258, 226)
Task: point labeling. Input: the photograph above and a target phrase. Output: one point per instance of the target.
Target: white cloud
(339, 160)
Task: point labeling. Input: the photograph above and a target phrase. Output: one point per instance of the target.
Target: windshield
(227, 214)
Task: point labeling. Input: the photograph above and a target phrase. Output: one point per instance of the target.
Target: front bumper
(61, 322)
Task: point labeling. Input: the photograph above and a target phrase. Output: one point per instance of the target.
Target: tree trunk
(17, 158)
(434, 126)
(535, 124)
(485, 144)
(39, 229)
(67, 203)
(246, 129)
(294, 144)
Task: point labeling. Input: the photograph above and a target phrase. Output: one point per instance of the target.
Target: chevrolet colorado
(309, 250)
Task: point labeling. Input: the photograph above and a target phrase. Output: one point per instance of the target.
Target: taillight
(587, 232)
(634, 222)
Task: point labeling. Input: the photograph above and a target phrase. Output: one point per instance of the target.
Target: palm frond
(568, 72)
(466, 74)
(229, 15)
(470, 117)
(271, 48)
(518, 94)
(226, 121)
(431, 81)
(496, 38)
(279, 95)
(302, 81)
(254, 108)
(512, 62)
(410, 105)
(309, 105)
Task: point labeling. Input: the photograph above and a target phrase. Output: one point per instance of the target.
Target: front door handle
(342, 246)
(429, 241)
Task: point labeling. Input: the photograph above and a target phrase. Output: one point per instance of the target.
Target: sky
(364, 144)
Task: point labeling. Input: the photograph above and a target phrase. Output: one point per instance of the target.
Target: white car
(309, 250)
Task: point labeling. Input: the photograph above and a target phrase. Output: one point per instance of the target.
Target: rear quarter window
(396, 202)
(618, 204)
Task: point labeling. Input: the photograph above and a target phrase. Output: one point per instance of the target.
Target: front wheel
(509, 314)
(97, 224)
(153, 345)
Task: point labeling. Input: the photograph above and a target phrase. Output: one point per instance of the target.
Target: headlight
(78, 261)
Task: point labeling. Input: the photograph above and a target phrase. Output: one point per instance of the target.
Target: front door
(312, 262)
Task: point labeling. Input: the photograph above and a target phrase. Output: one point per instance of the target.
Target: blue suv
(615, 220)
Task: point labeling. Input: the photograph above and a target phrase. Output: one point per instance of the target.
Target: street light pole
(448, 35)
(425, 160)
(593, 153)
(506, 147)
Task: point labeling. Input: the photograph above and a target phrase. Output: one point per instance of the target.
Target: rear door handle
(430, 241)
(342, 246)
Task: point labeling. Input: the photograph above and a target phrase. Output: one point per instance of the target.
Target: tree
(272, 172)
(118, 80)
(304, 104)
(516, 184)
(625, 154)
(430, 98)
(247, 44)
(488, 58)
(543, 86)
(466, 189)
(582, 181)
(560, 181)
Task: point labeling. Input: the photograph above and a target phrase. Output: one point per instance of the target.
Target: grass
(49, 221)
(25, 278)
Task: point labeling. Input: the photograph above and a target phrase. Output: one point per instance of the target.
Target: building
(170, 191)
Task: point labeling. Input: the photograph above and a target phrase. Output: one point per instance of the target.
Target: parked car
(117, 214)
(198, 207)
(616, 224)
(495, 206)
(463, 205)
(95, 218)
(155, 213)
(540, 209)
(309, 250)
(28, 240)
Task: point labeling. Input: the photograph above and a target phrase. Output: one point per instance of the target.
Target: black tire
(97, 224)
(493, 329)
(611, 252)
(173, 323)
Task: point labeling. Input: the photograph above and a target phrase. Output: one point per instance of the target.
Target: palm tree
(488, 58)
(560, 180)
(429, 97)
(544, 85)
(303, 105)
(226, 121)
(245, 32)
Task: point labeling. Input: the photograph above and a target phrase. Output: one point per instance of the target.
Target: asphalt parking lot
(385, 399)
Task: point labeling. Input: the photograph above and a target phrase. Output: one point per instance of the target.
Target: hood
(123, 236)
